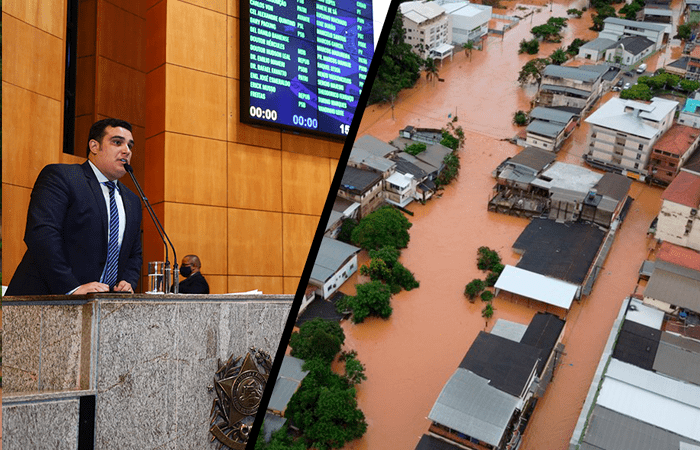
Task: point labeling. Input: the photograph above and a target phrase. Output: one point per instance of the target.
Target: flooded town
(589, 334)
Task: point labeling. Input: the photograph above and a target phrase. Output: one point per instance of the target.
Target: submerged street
(410, 356)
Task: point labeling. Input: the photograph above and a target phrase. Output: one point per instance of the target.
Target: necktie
(110, 277)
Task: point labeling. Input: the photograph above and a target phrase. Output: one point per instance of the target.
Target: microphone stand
(161, 231)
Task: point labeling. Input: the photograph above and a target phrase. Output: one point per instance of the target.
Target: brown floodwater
(410, 356)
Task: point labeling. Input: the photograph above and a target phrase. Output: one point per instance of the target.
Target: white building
(469, 21)
(427, 28)
(615, 29)
(335, 263)
(623, 132)
(679, 222)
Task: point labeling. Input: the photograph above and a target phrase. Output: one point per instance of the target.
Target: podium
(124, 371)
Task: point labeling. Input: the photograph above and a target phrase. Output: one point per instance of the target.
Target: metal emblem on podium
(239, 386)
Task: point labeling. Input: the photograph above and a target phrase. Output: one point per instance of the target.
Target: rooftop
(570, 73)
(635, 24)
(677, 140)
(627, 115)
(359, 180)
(678, 255)
(420, 12)
(332, 255)
(635, 44)
(684, 190)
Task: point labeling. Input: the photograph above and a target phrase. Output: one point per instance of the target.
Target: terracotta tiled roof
(680, 256)
(695, 53)
(684, 190)
(677, 140)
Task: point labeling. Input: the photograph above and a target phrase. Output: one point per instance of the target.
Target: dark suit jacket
(66, 234)
(194, 284)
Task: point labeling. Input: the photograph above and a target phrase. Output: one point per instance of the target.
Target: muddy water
(409, 357)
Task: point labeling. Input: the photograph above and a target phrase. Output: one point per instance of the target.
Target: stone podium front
(111, 371)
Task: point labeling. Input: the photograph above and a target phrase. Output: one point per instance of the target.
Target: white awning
(537, 287)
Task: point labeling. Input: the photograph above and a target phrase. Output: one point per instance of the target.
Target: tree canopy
(384, 227)
(550, 31)
(384, 266)
(400, 67)
(372, 299)
(317, 339)
(531, 72)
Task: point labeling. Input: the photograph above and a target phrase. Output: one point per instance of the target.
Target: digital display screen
(303, 63)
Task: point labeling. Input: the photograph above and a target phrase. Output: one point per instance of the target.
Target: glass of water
(156, 277)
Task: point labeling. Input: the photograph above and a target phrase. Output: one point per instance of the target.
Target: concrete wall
(148, 362)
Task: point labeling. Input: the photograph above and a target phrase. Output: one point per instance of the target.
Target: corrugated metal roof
(535, 286)
(610, 430)
(678, 357)
(635, 24)
(551, 115)
(613, 185)
(509, 330)
(547, 129)
(331, 256)
(421, 11)
(570, 73)
(373, 145)
(565, 89)
(674, 289)
(288, 381)
(469, 405)
(359, 180)
(599, 44)
(652, 398)
(534, 158)
(614, 116)
(645, 315)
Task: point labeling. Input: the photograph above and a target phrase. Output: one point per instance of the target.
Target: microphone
(159, 228)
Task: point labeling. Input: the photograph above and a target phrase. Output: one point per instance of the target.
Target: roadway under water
(410, 356)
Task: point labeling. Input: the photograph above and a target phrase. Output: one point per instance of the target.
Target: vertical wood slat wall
(247, 200)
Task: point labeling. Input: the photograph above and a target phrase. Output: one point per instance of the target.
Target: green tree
(449, 172)
(450, 141)
(559, 56)
(400, 67)
(492, 277)
(346, 230)
(530, 47)
(520, 118)
(573, 48)
(487, 259)
(324, 408)
(280, 440)
(550, 31)
(431, 69)
(603, 13)
(474, 288)
(531, 72)
(689, 86)
(630, 10)
(384, 227)
(354, 369)
(415, 148)
(684, 31)
(372, 299)
(317, 339)
(574, 12)
(487, 312)
(384, 266)
(486, 296)
(637, 92)
(468, 48)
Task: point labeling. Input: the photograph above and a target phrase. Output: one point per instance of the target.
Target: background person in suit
(68, 222)
(194, 282)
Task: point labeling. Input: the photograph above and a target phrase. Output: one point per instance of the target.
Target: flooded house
(428, 30)
(289, 378)
(646, 392)
(489, 398)
(678, 221)
(363, 187)
(550, 127)
(335, 263)
(671, 152)
(690, 113)
(623, 133)
(569, 86)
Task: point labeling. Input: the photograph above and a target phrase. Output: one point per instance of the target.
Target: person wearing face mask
(194, 282)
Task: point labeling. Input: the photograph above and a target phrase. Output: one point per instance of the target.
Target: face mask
(185, 271)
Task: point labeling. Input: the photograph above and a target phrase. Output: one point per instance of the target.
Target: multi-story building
(427, 28)
(692, 71)
(569, 86)
(615, 28)
(469, 21)
(671, 152)
(678, 220)
(623, 132)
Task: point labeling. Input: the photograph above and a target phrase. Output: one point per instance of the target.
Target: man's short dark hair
(97, 130)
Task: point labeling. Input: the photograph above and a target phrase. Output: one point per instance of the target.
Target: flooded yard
(410, 356)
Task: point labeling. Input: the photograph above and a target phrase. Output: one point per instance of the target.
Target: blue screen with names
(303, 63)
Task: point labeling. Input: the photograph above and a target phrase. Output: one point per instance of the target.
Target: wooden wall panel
(155, 102)
(218, 284)
(232, 8)
(195, 170)
(306, 180)
(268, 285)
(254, 178)
(87, 31)
(156, 19)
(232, 44)
(290, 285)
(245, 134)
(15, 203)
(298, 234)
(122, 35)
(214, 5)
(32, 136)
(32, 59)
(196, 37)
(312, 146)
(136, 7)
(195, 103)
(254, 242)
(154, 169)
(46, 15)
(121, 91)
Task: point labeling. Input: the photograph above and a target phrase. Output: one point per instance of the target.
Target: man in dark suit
(194, 282)
(69, 222)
